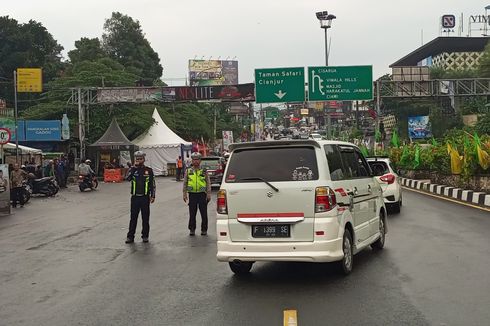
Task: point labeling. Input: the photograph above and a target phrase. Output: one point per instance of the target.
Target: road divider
(466, 196)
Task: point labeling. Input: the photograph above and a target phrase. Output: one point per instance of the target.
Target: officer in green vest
(142, 194)
(197, 192)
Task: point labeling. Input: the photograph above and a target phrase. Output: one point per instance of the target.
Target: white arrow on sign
(280, 94)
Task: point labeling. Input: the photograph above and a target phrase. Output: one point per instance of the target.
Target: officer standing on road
(142, 194)
(197, 191)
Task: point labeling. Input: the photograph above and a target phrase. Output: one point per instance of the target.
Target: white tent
(23, 150)
(160, 144)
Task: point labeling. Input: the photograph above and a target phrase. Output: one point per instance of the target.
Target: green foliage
(124, 41)
(474, 105)
(440, 122)
(86, 49)
(441, 73)
(482, 127)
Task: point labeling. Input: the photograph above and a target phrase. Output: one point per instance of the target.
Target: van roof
(275, 143)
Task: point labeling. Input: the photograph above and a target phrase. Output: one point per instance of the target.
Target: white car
(315, 136)
(390, 181)
(297, 200)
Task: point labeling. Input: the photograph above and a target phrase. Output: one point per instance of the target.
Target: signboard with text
(280, 85)
(29, 80)
(349, 83)
(213, 72)
(43, 130)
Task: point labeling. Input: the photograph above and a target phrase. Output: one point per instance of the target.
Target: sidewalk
(468, 196)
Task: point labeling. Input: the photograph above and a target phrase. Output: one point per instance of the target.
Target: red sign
(4, 136)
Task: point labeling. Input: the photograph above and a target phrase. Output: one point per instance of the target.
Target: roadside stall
(112, 152)
(25, 154)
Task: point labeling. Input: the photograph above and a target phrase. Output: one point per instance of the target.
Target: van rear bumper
(317, 251)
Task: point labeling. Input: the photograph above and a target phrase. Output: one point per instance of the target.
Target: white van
(302, 201)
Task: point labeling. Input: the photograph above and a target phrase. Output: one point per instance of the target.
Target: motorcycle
(26, 190)
(47, 186)
(87, 182)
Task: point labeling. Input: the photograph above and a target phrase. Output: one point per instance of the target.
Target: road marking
(449, 199)
(290, 317)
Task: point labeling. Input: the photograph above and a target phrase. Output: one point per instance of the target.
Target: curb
(469, 196)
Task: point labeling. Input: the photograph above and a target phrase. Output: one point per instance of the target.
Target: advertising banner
(419, 127)
(136, 95)
(43, 130)
(4, 189)
(9, 123)
(29, 80)
(213, 72)
(227, 139)
(230, 93)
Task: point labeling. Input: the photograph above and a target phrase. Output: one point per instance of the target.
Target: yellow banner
(456, 160)
(483, 158)
(29, 80)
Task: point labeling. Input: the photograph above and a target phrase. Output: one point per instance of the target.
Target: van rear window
(273, 164)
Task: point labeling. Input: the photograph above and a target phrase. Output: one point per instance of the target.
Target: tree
(125, 42)
(86, 49)
(28, 45)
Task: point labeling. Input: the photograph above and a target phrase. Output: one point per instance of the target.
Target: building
(449, 53)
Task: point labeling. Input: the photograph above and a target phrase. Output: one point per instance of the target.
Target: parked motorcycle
(87, 182)
(47, 186)
(26, 190)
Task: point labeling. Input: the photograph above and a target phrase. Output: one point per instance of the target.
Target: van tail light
(388, 178)
(325, 199)
(221, 207)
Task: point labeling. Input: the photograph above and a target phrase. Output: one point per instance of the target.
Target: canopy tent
(113, 145)
(25, 153)
(161, 145)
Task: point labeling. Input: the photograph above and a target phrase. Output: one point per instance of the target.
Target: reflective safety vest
(179, 164)
(146, 184)
(196, 180)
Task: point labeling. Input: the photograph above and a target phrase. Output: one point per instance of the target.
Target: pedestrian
(16, 178)
(59, 173)
(142, 195)
(49, 169)
(178, 173)
(197, 193)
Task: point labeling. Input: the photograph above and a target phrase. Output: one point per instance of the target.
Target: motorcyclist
(85, 169)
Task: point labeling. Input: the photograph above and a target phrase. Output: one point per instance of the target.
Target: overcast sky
(259, 33)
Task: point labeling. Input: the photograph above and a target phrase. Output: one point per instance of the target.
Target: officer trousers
(198, 199)
(139, 203)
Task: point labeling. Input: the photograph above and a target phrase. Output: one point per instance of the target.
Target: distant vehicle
(388, 179)
(214, 166)
(297, 200)
(316, 136)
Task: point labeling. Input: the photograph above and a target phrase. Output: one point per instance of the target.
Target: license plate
(271, 231)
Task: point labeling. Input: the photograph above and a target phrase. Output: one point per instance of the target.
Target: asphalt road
(63, 261)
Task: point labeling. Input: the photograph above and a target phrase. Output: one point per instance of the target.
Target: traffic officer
(142, 194)
(197, 192)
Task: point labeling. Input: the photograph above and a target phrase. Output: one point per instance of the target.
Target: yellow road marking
(448, 199)
(290, 317)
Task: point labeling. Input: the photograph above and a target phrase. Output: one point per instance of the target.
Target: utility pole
(16, 121)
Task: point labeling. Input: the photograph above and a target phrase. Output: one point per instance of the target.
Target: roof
(440, 45)
(113, 136)
(159, 135)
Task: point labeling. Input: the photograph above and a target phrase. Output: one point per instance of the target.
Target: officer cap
(196, 156)
(139, 154)
(88, 161)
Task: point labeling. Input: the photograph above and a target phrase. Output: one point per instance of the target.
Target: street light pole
(326, 22)
(326, 47)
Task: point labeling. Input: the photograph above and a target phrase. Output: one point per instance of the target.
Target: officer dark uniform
(197, 190)
(142, 194)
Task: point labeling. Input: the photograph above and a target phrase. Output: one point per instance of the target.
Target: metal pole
(378, 111)
(326, 47)
(81, 125)
(16, 124)
(214, 126)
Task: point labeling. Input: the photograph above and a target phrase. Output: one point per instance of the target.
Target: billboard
(9, 123)
(43, 130)
(419, 127)
(135, 95)
(213, 72)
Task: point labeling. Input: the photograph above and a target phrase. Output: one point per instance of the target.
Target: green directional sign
(349, 83)
(280, 85)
